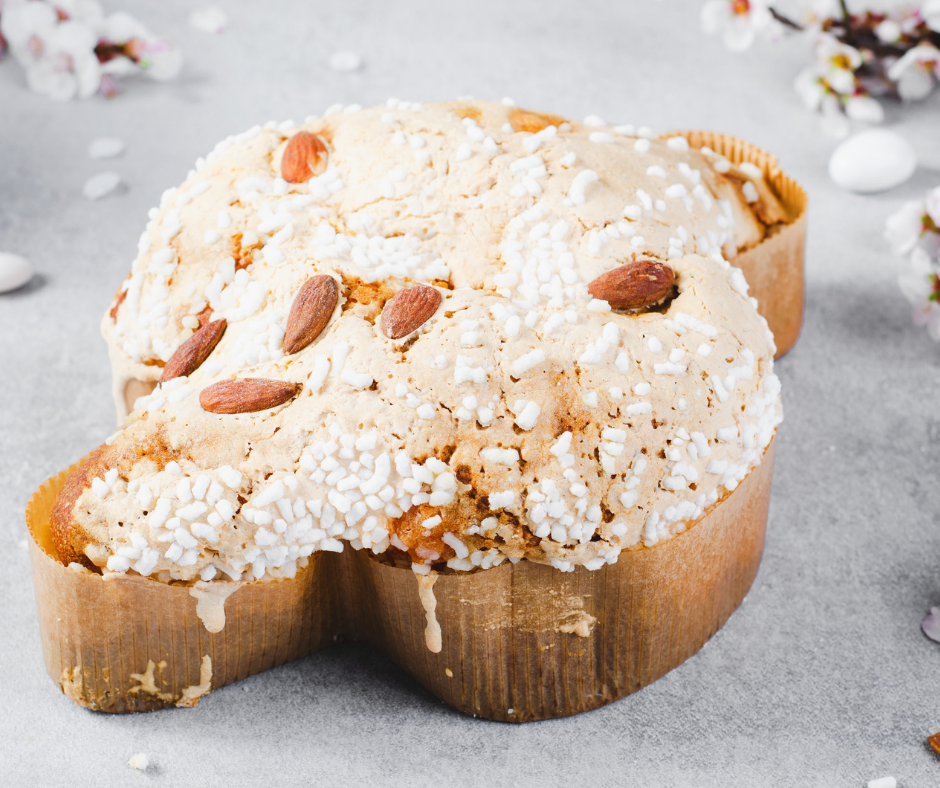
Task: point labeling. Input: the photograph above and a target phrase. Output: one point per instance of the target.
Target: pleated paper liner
(516, 642)
(774, 268)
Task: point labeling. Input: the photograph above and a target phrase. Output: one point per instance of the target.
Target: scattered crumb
(139, 761)
(209, 20)
(101, 185)
(883, 782)
(105, 148)
(580, 623)
(449, 673)
(345, 61)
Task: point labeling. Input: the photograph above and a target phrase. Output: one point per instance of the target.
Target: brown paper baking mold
(774, 268)
(518, 642)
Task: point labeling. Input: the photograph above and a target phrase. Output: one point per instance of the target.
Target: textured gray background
(822, 678)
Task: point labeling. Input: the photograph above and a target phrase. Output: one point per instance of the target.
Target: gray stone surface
(822, 677)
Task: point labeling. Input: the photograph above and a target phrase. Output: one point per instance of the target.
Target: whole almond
(634, 285)
(304, 157)
(190, 355)
(311, 311)
(246, 395)
(409, 310)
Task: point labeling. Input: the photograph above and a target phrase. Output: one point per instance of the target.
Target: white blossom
(738, 21)
(916, 71)
(913, 231)
(72, 50)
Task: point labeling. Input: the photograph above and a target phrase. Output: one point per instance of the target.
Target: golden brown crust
(525, 120)
(69, 539)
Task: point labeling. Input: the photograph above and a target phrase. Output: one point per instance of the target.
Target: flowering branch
(858, 57)
(69, 48)
(914, 231)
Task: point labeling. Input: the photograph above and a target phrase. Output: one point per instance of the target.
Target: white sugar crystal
(507, 457)
(230, 477)
(500, 500)
(579, 184)
(529, 416)
(527, 361)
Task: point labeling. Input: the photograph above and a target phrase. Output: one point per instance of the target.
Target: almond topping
(304, 157)
(311, 311)
(247, 395)
(409, 310)
(634, 285)
(190, 355)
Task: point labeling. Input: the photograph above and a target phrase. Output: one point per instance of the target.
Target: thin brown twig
(785, 21)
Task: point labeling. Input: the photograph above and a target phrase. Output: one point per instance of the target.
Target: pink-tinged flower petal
(108, 86)
(739, 34)
(904, 226)
(88, 74)
(915, 85)
(58, 85)
(915, 71)
(864, 108)
(122, 27)
(22, 21)
(932, 205)
(931, 625)
(165, 66)
(809, 88)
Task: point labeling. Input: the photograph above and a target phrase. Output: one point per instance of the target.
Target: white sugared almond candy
(482, 387)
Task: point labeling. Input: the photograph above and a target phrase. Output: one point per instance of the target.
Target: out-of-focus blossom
(813, 13)
(860, 55)
(931, 14)
(905, 227)
(72, 50)
(921, 286)
(864, 108)
(916, 71)
(831, 87)
(888, 31)
(837, 63)
(914, 231)
(738, 21)
(932, 207)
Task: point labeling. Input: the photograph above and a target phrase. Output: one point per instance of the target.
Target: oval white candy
(15, 271)
(872, 161)
(101, 185)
